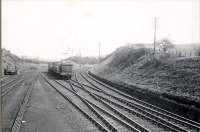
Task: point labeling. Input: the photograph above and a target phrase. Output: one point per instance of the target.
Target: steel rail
(169, 125)
(108, 113)
(90, 82)
(20, 113)
(124, 117)
(9, 82)
(98, 125)
(154, 108)
(135, 112)
(86, 85)
(141, 113)
(146, 115)
(10, 88)
(110, 126)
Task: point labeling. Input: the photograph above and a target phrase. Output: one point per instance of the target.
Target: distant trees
(165, 44)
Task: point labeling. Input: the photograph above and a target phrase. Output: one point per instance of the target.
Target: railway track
(11, 84)
(106, 113)
(102, 115)
(118, 113)
(160, 110)
(120, 100)
(4, 78)
(76, 103)
(5, 91)
(128, 117)
(13, 101)
(17, 121)
(7, 80)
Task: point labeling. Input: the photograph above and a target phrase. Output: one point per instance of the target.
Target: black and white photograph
(100, 66)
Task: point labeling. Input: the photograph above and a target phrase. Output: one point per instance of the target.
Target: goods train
(10, 69)
(61, 69)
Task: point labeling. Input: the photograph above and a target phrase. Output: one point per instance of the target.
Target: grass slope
(175, 76)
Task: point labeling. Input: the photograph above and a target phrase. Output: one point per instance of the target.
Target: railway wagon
(63, 70)
(66, 70)
(10, 69)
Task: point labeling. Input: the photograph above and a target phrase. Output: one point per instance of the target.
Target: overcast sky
(49, 28)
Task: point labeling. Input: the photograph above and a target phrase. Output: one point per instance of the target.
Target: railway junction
(99, 66)
(37, 101)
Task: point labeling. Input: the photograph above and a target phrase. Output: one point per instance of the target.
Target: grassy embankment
(175, 78)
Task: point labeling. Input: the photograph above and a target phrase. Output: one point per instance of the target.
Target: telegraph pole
(154, 43)
(80, 55)
(1, 73)
(99, 51)
(1, 62)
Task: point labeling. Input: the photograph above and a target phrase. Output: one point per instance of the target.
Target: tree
(165, 44)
